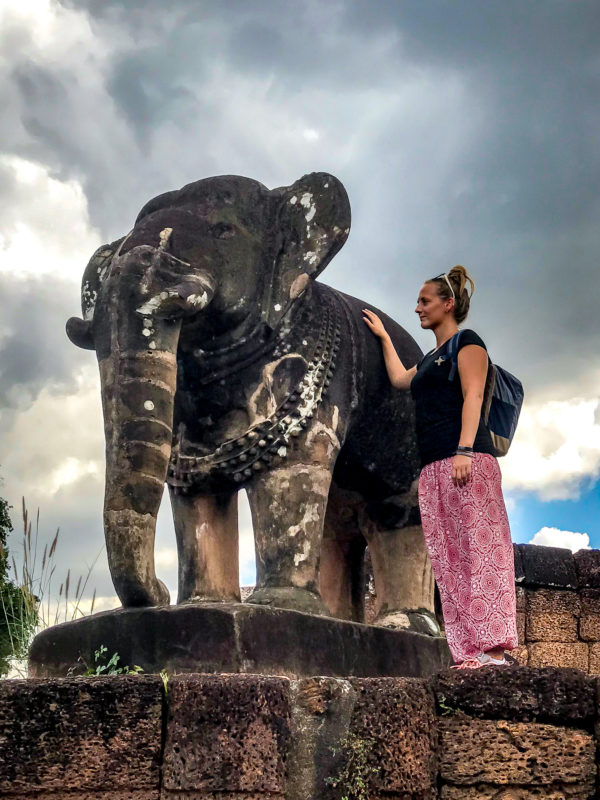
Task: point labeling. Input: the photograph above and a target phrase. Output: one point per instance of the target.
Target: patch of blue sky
(528, 514)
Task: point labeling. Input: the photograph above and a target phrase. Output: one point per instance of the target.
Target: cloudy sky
(464, 132)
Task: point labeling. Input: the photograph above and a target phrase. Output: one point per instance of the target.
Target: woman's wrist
(464, 450)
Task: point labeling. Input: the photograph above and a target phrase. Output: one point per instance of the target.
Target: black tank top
(439, 402)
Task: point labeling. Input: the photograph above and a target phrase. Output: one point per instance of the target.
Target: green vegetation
(165, 679)
(355, 777)
(18, 612)
(109, 666)
(445, 709)
(28, 600)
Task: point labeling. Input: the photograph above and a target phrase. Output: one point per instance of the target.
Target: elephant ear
(312, 222)
(79, 330)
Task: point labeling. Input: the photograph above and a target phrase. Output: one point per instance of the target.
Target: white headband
(445, 276)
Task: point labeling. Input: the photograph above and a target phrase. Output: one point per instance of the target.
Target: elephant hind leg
(403, 577)
(342, 583)
(207, 545)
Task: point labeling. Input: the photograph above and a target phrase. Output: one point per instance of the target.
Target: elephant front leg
(207, 545)
(288, 509)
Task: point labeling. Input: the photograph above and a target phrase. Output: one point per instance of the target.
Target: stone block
(238, 638)
(521, 616)
(552, 615)
(548, 566)
(399, 716)
(499, 752)
(526, 694)
(518, 560)
(589, 629)
(226, 734)
(594, 658)
(553, 601)
(589, 624)
(559, 654)
(321, 711)
(587, 563)
(521, 654)
(490, 792)
(590, 602)
(82, 737)
(93, 794)
(552, 628)
(521, 595)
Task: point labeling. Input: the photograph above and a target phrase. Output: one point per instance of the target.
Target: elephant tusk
(192, 295)
(154, 303)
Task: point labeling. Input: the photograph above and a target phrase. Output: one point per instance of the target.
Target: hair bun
(459, 274)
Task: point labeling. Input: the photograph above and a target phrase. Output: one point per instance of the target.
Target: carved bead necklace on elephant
(236, 460)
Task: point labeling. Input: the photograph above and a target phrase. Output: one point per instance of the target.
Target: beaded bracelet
(463, 450)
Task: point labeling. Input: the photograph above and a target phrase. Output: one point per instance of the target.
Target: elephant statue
(225, 365)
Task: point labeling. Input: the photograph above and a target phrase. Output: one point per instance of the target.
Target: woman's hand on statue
(461, 470)
(374, 323)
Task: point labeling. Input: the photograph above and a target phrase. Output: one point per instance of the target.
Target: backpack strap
(453, 354)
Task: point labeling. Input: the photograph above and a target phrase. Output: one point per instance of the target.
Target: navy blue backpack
(502, 400)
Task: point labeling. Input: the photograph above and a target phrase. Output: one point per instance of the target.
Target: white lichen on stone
(88, 301)
(277, 306)
(282, 451)
(165, 235)
(311, 257)
(148, 405)
(293, 200)
(154, 303)
(306, 201)
(152, 345)
(304, 554)
(198, 300)
(147, 332)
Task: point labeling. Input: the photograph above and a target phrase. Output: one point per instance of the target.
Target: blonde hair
(458, 277)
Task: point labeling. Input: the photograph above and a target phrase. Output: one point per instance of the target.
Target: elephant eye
(222, 230)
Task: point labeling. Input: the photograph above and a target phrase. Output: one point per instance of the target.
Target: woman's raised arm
(399, 376)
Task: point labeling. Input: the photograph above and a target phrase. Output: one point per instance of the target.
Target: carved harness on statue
(237, 460)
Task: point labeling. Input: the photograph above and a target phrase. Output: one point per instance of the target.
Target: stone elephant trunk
(138, 391)
(138, 313)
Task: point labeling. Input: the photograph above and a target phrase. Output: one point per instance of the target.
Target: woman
(460, 496)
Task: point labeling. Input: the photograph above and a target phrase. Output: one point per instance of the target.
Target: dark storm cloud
(464, 132)
(34, 349)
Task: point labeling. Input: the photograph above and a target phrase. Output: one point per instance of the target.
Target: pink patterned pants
(468, 540)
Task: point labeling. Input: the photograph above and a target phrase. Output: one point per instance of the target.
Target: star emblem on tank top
(439, 361)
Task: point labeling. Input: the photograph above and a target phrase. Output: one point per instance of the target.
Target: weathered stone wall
(558, 607)
(514, 734)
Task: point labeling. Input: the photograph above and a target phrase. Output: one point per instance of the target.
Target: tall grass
(35, 605)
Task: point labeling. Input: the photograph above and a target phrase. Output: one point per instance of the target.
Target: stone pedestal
(237, 638)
